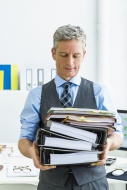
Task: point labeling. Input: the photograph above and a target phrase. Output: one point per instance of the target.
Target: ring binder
(28, 79)
(7, 76)
(1, 80)
(53, 73)
(67, 157)
(40, 77)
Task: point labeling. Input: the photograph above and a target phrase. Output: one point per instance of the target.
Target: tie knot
(67, 85)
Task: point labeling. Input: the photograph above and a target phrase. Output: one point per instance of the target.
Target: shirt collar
(75, 80)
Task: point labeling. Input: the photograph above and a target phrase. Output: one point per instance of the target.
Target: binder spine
(7, 76)
(14, 77)
(40, 77)
(1, 80)
(28, 79)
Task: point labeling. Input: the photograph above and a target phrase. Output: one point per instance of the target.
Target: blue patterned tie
(66, 98)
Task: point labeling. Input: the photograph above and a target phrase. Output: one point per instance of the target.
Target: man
(68, 52)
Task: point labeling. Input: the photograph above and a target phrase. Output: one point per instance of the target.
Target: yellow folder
(14, 77)
(1, 80)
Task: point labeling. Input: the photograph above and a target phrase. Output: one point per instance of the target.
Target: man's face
(68, 56)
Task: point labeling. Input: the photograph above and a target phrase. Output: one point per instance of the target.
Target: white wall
(118, 53)
(11, 105)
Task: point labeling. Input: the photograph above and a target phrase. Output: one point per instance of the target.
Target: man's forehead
(63, 45)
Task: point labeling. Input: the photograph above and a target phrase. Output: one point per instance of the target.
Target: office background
(26, 30)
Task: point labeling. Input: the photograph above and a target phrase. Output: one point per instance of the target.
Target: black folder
(101, 136)
(45, 155)
(46, 132)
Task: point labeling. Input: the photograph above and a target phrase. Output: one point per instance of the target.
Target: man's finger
(46, 167)
(100, 163)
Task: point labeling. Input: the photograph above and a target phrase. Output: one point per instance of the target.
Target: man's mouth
(69, 69)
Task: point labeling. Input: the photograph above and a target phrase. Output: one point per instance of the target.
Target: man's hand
(30, 150)
(113, 142)
(104, 154)
(35, 156)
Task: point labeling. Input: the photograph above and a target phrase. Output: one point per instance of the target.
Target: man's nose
(70, 60)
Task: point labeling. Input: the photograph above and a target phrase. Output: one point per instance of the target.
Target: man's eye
(76, 56)
(63, 55)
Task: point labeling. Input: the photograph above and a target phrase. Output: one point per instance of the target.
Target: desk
(114, 184)
(19, 160)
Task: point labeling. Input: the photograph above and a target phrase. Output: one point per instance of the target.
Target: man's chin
(68, 77)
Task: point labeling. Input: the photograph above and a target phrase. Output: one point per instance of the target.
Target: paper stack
(73, 135)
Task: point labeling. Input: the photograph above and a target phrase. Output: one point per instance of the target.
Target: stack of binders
(74, 136)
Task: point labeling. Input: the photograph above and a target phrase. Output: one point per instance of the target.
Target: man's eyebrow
(77, 53)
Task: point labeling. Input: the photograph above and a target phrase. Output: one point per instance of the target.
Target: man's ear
(53, 51)
(84, 53)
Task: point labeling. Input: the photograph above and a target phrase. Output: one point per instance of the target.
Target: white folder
(28, 79)
(40, 77)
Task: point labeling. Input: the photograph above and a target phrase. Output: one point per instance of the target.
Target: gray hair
(69, 32)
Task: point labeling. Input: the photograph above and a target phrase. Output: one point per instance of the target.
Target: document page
(74, 158)
(69, 144)
(73, 132)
